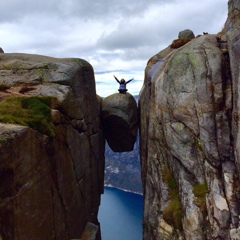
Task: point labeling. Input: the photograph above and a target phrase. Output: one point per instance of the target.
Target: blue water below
(120, 215)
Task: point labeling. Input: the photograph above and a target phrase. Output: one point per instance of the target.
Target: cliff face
(189, 134)
(232, 28)
(51, 175)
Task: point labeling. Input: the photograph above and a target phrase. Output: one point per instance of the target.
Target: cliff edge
(51, 147)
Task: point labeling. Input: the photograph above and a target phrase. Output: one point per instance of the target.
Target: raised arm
(116, 79)
(129, 81)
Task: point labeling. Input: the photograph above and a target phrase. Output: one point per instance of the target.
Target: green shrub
(28, 111)
(200, 190)
(172, 213)
(177, 43)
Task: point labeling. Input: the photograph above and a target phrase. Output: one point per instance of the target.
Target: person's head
(122, 80)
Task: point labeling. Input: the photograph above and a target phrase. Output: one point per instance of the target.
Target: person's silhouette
(123, 84)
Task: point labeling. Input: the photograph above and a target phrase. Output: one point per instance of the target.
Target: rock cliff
(189, 130)
(51, 147)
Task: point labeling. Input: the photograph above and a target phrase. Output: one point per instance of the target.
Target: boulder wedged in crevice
(120, 121)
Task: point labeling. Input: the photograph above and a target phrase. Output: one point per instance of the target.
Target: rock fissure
(60, 197)
(53, 215)
(68, 146)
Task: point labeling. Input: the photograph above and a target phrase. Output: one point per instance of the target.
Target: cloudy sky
(115, 36)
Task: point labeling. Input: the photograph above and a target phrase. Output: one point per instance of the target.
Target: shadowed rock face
(189, 136)
(120, 121)
(232, 28)
(50, 187)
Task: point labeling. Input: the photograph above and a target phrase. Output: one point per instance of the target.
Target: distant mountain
(122, 170)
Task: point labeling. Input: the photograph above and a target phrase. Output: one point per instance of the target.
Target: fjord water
(120, 215)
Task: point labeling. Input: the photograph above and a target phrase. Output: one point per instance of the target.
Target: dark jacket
(123, 84)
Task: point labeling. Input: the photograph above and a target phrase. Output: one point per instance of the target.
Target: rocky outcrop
(120, 121)
(189, 139)
(184, 37)
(1, 50)
(186, 34)
(51, 172)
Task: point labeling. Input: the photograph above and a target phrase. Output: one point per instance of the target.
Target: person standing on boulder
(123, 84)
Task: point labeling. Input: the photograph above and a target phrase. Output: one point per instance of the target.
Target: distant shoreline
(125, 190)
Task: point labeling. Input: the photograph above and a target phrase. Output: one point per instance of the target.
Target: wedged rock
(120, 121)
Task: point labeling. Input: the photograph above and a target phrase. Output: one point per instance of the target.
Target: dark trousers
(122, 90)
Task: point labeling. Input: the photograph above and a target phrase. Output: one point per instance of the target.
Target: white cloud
(106, 84)
(114, 36)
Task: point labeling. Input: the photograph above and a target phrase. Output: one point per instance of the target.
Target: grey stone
(187, 33)
(120, 121)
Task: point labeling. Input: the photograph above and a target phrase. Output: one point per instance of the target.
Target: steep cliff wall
(189, 138)
(51, 172)
(232, 29)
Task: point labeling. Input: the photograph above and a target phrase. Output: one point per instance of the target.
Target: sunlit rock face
(50, 185)
(189, 138)
(120, 121)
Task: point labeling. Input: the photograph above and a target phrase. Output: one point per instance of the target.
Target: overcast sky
(115, 36)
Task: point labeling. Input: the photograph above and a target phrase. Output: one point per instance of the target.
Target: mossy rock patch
(28, 111)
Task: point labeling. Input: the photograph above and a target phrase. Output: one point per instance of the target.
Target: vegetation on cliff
(200, 190)
(172, 214)
(28, 111)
